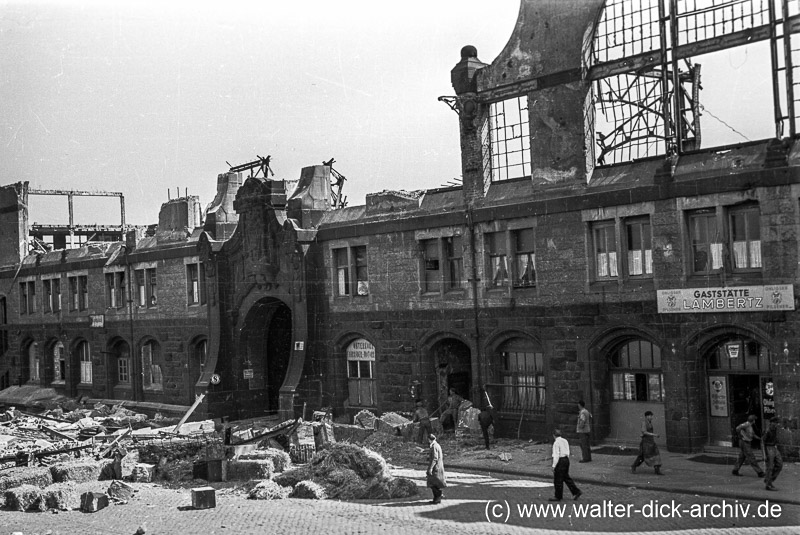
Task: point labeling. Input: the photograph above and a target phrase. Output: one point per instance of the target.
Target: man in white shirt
(561, 468)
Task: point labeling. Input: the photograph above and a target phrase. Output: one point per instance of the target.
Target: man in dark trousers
(561, 469)
(771, 454)
(486, 419)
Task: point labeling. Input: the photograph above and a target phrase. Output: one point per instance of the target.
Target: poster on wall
(768, 397)
(718, 388)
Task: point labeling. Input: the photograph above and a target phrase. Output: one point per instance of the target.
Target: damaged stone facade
(71, 316)
(661, 282)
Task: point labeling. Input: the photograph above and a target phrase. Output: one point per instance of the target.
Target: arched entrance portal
(266, 343)
(453, 367)
(739, 382)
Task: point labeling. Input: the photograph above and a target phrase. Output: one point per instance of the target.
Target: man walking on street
(771, 454)
(584, 430)
(746, 436)
(561, 469)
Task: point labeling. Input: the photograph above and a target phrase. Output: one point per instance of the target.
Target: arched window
(33, 362)
(361, 373)
(743, 355)
(201, 352)
(59, 362)
(151, 366)
(636, 372)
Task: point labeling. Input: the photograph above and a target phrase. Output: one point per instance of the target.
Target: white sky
(145, 97)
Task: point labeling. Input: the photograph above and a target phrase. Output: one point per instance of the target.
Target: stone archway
(265, 348)
(453, 364)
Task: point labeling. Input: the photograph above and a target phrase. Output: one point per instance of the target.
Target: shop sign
(718, 388)
(738, 299)
(732, 349)
(97, 320)
(248, 373)
(360, 349)
(768, 397)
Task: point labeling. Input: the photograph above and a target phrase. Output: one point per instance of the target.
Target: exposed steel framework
(645, 95)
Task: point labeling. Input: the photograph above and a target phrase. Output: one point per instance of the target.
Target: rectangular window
(361, 384)
(432, 273)
(497, 252)
(639, 248)
(3, 323)
(362, 271)
(706, 242)
(146, 287)
(124, 369)
(525, 258)
(638, 386)
(31, 297)
(86, 363)
(509, 139)
(745, 238)
(455, 264)
(193, 283)
(83, 302)
(56, 287)
(47, 284)
(141, 290)
(342, 271)
(111, 292)
(73, 293)
(605, 249)
(152, 299)
(23, 298)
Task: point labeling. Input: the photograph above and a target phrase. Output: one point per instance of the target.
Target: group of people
(648, 451)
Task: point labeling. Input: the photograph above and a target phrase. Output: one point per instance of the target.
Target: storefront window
(636, 372)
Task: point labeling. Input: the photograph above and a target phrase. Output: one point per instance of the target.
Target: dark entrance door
(279, 347)
(745, 400)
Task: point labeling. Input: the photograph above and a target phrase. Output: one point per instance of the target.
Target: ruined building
(602, 246)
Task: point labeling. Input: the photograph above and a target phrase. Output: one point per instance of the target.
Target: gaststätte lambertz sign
(732, 299)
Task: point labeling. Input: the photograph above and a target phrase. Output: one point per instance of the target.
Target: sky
(152, 98)
(155, 99)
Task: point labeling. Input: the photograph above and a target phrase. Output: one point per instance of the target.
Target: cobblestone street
(468, 501)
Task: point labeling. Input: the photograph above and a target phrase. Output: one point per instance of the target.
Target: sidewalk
(680, 473)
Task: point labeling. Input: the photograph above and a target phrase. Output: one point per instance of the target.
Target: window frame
(750, 209)
(507, 143)
(519, 281)
(350, 270)
(85, 362)
(605, 229)
(645, 225)
(358, 383)
(496, 249)
(152, 373)
(628, 376)
(146, 279)
(432, 280)
(693, 217)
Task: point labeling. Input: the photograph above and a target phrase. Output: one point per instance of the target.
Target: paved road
(464, 511)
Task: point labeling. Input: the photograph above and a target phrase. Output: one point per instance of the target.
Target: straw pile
(268, 490)
(308, 490)
(349, 472)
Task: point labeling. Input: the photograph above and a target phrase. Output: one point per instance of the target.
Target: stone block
(204, 498)
(120, 491)
(93, 501)
(77, 471)
(143, 473)
(246, 470)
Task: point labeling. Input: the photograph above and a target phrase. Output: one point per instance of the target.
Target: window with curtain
(525, 274)
(85, 359)
(639, 248)
(497, 253)
(605, 250)
(745, 232)
(706, 242)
